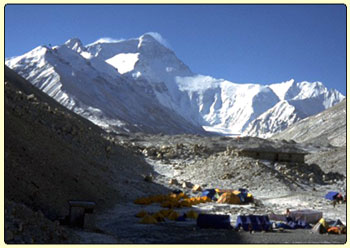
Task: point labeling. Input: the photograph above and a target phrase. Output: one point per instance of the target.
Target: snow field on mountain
(109, 74)
(124, 62)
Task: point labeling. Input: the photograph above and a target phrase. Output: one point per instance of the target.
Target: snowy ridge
(328, 126)
(140, 84)
(273, 120)
(299, 100)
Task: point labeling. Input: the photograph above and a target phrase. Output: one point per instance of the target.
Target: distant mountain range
(140, 85)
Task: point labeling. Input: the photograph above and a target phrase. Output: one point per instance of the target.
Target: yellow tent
(147, 219)
(158, 216)
(173, 215)
(323, 223)
(141, 214)
(165, 212)
(185, 203)
(170, 204)
(142, 201)
(236, 192)
(194, 200)
(192, 214)
(205, 199)
(229, 198)
(157, 198)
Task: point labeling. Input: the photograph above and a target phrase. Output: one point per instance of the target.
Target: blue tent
(254, 222)
(214, 221)
(299, 224)
(335, 223)
(243, 191)
(243, 195)
(209, 193)
(331, 195)
(181, 218)
(294, 225)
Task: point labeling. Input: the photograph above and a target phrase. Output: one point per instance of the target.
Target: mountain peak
(152, 39)
(74, 44)
(147, 37)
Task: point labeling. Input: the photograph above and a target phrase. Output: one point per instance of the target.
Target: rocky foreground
(52, 156)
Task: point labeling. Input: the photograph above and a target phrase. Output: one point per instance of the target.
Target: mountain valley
(53, 155)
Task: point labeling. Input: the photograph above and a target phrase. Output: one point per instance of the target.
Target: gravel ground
(121, 225)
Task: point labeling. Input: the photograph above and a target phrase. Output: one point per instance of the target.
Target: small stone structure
(81, 214)
(280, 156)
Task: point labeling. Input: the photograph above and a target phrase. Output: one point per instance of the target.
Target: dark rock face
(52, 156)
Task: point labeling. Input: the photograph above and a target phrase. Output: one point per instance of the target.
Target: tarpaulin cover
(254, 222)
(214, 221)
(306, 215)
(278, 217)
(331, 195)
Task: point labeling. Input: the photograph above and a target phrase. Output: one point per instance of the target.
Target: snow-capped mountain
(297, 101)
(94, 89)
(141, 85)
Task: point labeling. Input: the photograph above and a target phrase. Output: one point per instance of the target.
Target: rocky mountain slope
(141, 85)
(53, 155)
(326, 129)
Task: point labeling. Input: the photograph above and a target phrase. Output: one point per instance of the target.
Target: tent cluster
(180, 199)
(240, 196)
(173, 200)
(162, 215)
(253, 223)
(306, 219)
(331, 227)
(246, 223)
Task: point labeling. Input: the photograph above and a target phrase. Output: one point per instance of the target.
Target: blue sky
(240, 43)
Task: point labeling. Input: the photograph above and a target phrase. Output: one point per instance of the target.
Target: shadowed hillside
(52, 156)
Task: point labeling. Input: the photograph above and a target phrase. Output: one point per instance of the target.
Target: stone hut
(81, 214)
(273, 155)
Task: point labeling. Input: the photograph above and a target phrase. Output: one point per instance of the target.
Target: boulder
(187, 185)
(148, 178)
(173, 181)
(196, 188)
(31, 97)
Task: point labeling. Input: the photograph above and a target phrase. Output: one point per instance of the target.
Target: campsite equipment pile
(304, 218)
(335, 197)
(307, 219)
(178, 199)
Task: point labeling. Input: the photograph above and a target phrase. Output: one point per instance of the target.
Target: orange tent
(229, 198)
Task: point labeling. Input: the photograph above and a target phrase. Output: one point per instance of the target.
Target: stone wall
(273, 156)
